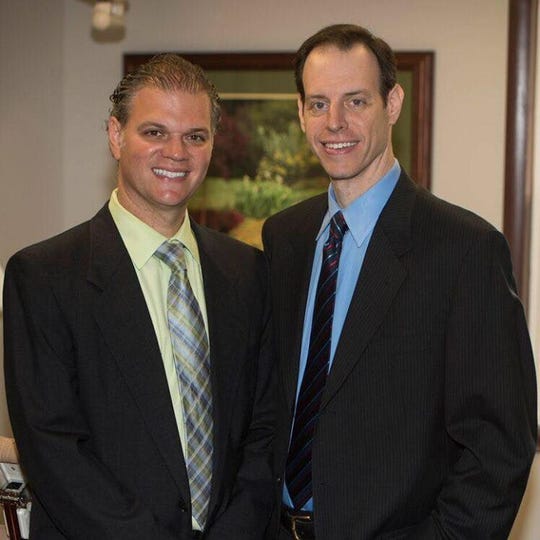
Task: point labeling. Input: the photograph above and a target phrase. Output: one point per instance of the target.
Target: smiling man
(137, 348)
(407, 395)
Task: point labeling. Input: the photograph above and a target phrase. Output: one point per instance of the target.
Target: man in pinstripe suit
(425, 424)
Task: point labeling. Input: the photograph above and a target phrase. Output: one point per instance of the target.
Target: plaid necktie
(298, 470)
(192, 362)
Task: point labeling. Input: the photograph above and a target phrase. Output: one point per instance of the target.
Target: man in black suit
(408, 396)
(141, 402)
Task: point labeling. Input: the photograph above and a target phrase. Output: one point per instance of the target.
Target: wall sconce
(108, 15)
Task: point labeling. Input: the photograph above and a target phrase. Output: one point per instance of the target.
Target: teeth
(169, 174)
(338, 146)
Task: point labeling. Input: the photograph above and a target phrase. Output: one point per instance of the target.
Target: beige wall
(31, 125)
(55, 169)
(31, 130)
(53, 155)
(469, 39)
(527, 524)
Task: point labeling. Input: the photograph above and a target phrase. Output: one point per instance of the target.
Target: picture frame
(261, 161)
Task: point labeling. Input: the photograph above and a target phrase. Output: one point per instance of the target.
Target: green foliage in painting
(261, 160)
(262, 198)
(287, 156)
(259, 139)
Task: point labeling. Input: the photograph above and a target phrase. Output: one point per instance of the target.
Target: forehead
(328, 67)
(155, 104)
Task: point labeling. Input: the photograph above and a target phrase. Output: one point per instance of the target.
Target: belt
(298, 524)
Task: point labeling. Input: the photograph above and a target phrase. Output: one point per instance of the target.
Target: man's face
(163, 152)
(344, 117)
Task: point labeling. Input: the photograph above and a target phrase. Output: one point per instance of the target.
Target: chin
(173, 198)
(342, 176)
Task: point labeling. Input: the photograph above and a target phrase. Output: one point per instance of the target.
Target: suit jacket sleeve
(490, 404)
(78, 492)
(248, 512)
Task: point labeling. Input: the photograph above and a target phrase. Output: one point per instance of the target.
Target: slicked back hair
(168, 72)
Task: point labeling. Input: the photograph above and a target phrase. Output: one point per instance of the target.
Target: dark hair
(168, 72)
(344, 37)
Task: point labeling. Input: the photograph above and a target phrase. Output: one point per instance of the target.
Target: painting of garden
(260, 165)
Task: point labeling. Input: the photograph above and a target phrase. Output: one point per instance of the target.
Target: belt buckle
(294, 521)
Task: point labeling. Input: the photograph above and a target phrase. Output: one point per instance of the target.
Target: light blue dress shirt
(361, 216)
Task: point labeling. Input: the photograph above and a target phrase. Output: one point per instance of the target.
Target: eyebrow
(158, 125)
(147, 124)
(198, 130)
(347, 94)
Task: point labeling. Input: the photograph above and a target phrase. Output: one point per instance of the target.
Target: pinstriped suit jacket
(427, 427)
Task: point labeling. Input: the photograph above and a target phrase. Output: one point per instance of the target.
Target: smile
(339, 145)
(169, 174)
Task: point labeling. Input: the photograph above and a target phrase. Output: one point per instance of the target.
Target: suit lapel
(122, 315)
(380, 279)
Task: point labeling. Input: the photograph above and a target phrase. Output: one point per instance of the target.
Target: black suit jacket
(427, 426)
(89, 401)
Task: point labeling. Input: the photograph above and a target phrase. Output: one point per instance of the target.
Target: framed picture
(261, 161)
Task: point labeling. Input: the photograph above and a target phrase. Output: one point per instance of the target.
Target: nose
(337, 117)
(175, 149)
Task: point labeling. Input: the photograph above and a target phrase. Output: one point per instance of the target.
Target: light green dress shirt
(141, 242)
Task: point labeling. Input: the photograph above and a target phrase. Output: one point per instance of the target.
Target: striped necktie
(298, 470)
(192, 362)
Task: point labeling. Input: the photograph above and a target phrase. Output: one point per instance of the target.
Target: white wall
(469, 39)
(54, 161)
(31, 125)
(31, 129)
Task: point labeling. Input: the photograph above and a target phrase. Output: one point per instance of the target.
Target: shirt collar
(141, 240)
(362, 214)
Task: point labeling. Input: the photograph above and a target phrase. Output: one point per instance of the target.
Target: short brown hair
(344, 37)
(168, 72)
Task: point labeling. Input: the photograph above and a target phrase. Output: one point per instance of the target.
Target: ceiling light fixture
(108, 15)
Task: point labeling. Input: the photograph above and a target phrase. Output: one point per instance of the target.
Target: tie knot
(172, 254)
(338, 227)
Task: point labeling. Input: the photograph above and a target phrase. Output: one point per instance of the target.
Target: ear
(301, 113)
(394, 103)
(114, 130)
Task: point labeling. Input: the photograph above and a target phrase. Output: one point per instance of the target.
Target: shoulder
(454, 235)
(54, 254)
(435, 216)
(70, 248)
(426, 212)
(52, 268)
(297, 213)
(300, 221)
